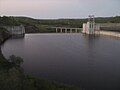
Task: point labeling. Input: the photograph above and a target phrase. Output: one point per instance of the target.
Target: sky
(53, 9)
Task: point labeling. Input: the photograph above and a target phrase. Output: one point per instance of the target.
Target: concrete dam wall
(16, 30)
(110, 29)
(110, 33)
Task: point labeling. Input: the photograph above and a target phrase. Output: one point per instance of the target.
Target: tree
(16, 61)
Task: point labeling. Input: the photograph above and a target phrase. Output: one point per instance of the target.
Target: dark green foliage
(42, 84)
(108, 19)
(3, 31)
(43, 25)
(16, 61)
(4, 34)
(13, 78)
(9, 21)
(63, 22)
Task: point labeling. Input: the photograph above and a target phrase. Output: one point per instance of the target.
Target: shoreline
(14, 78)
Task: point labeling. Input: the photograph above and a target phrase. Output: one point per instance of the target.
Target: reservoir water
(75, 59)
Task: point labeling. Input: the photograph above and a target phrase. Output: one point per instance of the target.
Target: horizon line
(57, 18)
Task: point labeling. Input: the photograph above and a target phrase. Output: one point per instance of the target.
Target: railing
(67, 29)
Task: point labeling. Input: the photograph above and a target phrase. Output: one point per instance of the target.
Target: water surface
(93, 63)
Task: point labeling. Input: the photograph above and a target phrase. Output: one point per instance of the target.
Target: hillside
(42, 25)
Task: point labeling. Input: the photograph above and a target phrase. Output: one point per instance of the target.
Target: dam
(92, 28)
(16, 30)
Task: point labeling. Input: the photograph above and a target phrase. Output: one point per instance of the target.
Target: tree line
(43, 24)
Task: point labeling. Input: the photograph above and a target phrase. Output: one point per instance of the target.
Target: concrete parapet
(110, 33)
